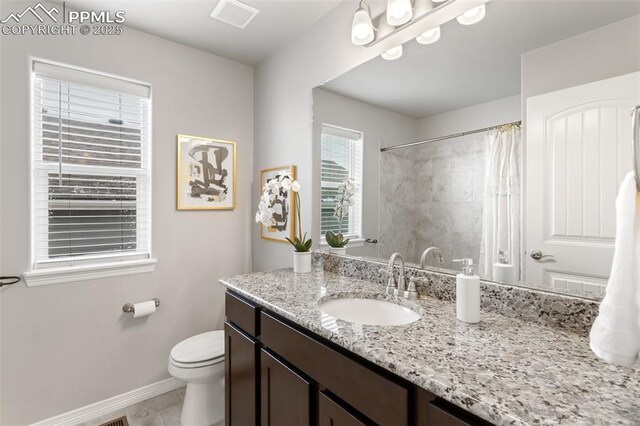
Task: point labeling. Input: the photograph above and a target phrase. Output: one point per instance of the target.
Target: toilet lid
(201, 347)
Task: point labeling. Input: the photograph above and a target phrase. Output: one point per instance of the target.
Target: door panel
(330, 413)
(241, 391)
(285, 395)
(578, 149)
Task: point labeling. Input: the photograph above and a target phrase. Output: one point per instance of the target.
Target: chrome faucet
(427, 252)
(395, 287)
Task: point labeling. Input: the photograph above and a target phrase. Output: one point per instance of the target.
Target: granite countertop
(505, 370)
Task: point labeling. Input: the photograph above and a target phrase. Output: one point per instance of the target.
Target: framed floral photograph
(206, 176)
(281, 203)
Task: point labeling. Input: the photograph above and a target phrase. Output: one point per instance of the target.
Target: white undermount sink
(369, 311)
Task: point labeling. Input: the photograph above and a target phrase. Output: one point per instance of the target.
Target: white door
(578, 149)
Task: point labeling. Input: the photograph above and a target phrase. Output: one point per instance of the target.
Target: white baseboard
(110, 405)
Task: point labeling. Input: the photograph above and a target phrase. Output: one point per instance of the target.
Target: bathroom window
(341, 157)
(91, 184)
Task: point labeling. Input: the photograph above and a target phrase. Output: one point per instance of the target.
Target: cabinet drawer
(331, 413)
(380, 399)
(241, 313)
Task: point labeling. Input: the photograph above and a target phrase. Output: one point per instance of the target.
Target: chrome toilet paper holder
(128, 307)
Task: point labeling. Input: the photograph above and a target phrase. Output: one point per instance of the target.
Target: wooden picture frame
(289, 221)
(206, 173)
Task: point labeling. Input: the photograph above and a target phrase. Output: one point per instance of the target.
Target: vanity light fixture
(401, 15)
(362, 27)
(472, 16)
(429, 37)
(399, 12)
(393, 53)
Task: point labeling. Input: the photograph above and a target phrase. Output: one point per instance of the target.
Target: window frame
(85, 267)
(355, 240)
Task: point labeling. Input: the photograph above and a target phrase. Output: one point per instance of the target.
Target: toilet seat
(201, 364)
(199, 351)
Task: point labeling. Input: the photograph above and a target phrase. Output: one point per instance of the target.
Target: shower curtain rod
(441, 138)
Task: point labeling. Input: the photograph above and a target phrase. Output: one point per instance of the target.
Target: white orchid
(344, 200)
(265, 213)
(286, 183)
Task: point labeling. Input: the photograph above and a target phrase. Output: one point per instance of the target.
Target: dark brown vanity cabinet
(240, 377)
(332, 413)
(279, 374)
(285, 397)
(242, 363)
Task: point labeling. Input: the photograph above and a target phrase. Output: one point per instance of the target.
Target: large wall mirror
(504, 142)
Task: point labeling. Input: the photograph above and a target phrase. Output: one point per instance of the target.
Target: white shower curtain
(501, 210)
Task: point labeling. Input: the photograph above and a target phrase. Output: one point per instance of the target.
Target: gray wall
(605, 52)
(380, 127)
(68, 345)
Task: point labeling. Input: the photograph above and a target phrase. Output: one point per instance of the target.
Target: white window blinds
(91, 161)
(341, 156)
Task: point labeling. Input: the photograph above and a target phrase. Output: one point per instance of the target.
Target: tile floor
(163, 410)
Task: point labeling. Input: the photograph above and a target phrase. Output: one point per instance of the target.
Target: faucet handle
(392, 284)
(411, 292)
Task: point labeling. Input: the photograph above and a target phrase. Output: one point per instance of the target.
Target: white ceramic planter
(338, 250)
(302, 261)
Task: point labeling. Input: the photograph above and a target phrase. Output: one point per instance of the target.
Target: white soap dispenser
(503, 271)
(467, 293)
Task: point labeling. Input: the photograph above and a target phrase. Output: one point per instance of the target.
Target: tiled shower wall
(431, 195)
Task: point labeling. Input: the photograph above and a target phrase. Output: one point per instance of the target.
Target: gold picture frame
(270, 233)
(201, 184)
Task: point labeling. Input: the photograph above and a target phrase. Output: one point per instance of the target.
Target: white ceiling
(474, 64)
(188, 22)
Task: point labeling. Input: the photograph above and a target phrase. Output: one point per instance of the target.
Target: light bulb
(361, 28)
(399, 12)
(393, 53)
(472, 16)
(429, 37)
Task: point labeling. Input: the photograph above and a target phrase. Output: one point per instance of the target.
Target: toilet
(199, 361)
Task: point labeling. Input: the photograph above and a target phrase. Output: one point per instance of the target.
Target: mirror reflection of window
(341, 158)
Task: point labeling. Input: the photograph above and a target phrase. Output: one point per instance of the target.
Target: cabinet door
(445, 414)
(330, 413)
(285, 395)
(241, 390)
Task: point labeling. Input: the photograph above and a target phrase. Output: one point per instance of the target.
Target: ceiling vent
(234, 12)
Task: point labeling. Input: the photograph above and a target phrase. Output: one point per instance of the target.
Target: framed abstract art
(206, 174)
(283, 204)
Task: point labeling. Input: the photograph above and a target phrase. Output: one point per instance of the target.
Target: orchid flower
(264, 215)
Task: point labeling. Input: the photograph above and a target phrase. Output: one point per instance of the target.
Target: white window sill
(356, 242)
(67, 274)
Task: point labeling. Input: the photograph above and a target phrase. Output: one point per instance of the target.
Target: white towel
(615, 335)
